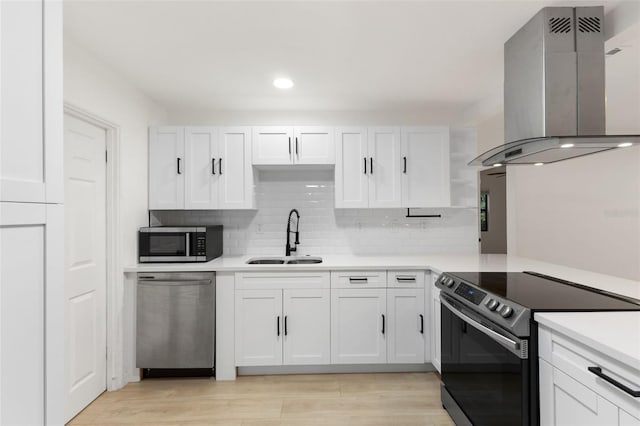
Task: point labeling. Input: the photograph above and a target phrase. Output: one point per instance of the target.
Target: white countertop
(616, 334)
(437, 263)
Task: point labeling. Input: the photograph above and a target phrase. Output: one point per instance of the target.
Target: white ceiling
(342, 56)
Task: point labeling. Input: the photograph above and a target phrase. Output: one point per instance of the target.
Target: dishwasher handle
(174, 283)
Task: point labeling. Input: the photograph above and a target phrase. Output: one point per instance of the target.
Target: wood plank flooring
(300, 400)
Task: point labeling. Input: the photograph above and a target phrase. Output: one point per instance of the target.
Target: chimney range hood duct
(554, 94)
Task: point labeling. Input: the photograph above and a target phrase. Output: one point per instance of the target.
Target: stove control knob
(506, 311)
(450, 282)
(492, 304)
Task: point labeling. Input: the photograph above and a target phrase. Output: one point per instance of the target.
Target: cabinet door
(406, 325)
(234, 168)
(384, 167)
(22, 151)
(436, 333)
(259, 327)
(565, 401)
(201, 181)
(425, 167)
(272, 145)
(627, 419)
(166, 168)
(358, 326)
(306, 327)
(313, 145)
(31, 241)
(352, 166)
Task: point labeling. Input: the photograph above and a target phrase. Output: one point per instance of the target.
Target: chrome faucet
(288, 248)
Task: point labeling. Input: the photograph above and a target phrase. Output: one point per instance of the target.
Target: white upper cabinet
(166, 168)
(30, 81)
(280, 145)
(389, 167)
(200, 168)
(425, 167)
(272, 145)
(351, 179)
(313, 145)
(384, 167)
(235, 174)
(201, 180)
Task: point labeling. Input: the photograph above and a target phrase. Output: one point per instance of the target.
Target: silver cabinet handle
(512, 345)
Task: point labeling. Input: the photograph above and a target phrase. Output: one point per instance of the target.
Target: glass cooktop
(543, 293)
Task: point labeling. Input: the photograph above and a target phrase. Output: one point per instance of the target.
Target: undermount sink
(306, 260)
(265, 261)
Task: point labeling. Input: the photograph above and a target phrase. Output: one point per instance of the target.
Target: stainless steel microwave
(179, 244)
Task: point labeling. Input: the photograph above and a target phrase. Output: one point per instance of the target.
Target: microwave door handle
(188, 243)
(512, 345)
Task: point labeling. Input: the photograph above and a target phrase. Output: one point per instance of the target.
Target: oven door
(166, 245)
(485, 369)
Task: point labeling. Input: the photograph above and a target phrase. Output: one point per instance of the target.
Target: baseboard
(337, 368)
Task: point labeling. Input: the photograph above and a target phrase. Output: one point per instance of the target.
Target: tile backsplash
(325, 230)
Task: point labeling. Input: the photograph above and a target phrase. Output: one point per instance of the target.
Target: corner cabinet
(388, 167)
(283, 146)
(282, 319)
(200, 168)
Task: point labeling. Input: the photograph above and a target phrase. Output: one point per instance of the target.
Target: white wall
(300, 118)
(92, 86)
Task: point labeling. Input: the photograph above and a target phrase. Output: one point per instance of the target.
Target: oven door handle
(513, 346)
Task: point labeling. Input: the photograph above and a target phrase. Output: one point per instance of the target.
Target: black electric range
(489, 340)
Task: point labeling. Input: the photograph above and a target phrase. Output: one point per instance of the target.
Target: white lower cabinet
(570, 394)
(358, 326)
(259, 327)
(565, 401)
(282, 325)
(406, 325)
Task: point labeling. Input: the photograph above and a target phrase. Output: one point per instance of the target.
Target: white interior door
(85, 281)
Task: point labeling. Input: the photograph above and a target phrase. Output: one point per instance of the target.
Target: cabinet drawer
(574, 359)
(359, 279)
(281, 280)
(405, 279)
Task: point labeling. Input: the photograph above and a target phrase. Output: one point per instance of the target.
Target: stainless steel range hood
(554, 94)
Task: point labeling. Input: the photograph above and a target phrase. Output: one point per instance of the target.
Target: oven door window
(486, 380)
(168, 244)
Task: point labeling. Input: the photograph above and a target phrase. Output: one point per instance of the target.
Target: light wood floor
(323, 399)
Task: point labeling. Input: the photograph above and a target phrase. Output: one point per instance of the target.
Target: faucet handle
(297, 238)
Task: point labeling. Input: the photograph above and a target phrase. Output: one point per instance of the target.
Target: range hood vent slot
(589, 25)
(560, 25)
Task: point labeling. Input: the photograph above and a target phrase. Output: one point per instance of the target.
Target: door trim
(114, 285)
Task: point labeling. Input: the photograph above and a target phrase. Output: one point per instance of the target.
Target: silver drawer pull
(358, 280)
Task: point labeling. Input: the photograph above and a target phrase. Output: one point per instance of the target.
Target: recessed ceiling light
(566, 145)
(283, 83)
(614, 51)
(497, 165)
(624, 144)
(538, 164)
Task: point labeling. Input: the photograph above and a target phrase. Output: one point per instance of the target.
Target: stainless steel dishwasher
(175, 320)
